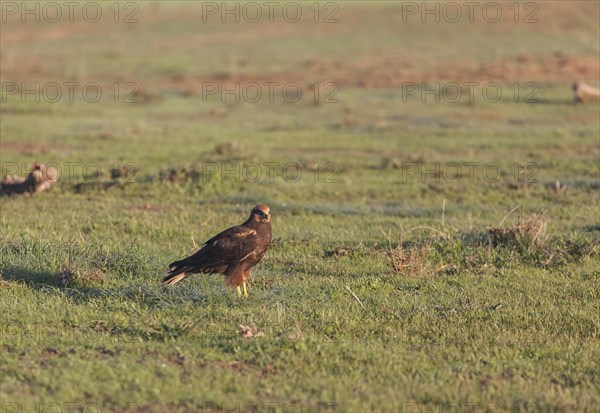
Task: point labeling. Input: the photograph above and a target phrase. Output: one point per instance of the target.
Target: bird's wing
(228, 247)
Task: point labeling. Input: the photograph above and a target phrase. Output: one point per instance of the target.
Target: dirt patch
(52, 352)
(387, 72)
(179, 175)
(386, 65)
(381, 72)
(124, 171)
(105, 353)
(177, 359)
(232, 365)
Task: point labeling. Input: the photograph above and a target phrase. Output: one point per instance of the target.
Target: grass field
(438, 256)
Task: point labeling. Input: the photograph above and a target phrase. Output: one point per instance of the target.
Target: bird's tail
(177, 272)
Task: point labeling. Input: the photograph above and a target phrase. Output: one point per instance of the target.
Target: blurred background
(433, 172)
(163, 70)
(373, 95)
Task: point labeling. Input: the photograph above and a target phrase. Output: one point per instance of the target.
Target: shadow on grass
(43, 280)
(151, 295)
(137, 327)
(34, 279)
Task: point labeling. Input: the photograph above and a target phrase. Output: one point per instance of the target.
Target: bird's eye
(260, 213)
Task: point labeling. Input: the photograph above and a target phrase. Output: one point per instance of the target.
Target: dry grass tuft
(409, 260)
(528, 233)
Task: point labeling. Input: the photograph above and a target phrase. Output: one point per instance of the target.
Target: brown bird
(232, 252)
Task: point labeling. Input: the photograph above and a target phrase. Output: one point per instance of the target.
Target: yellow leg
(245, 291)
(239, 291)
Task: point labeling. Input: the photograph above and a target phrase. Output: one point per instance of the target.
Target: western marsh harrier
(232, 252)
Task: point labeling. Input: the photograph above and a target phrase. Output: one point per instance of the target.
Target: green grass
(512, 327)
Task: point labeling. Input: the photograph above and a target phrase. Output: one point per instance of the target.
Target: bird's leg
(245, 291)
(239, 291)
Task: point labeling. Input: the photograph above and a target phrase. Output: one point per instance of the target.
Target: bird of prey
(232, 252)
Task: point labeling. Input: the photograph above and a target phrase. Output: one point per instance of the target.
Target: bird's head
(261, 213)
